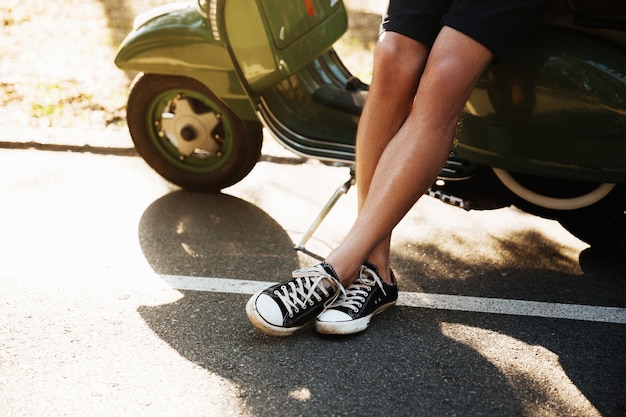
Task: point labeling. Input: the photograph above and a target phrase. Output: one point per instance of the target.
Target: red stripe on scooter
(309, 7)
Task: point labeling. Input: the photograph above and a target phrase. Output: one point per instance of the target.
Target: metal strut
(344, 188)
(340, 191)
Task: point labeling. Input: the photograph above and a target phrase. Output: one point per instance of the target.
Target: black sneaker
(351, 312)
(284, 308)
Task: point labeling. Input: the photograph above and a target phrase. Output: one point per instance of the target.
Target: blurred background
(56, 61)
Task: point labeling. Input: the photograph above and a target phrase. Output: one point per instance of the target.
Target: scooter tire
(594, 213)
(239, 141)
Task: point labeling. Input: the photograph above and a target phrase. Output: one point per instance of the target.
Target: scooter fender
(177, 40)
(554, 107)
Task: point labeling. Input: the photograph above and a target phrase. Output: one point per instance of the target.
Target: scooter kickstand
(341, 190)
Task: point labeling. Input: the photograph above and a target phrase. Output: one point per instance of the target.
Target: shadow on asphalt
(413, 361)
(526, 266)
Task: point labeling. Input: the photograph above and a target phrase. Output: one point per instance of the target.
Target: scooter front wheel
(189, 136)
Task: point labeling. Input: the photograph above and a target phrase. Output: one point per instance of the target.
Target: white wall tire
(549, 202)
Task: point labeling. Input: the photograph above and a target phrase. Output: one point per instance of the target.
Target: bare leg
(411, 160)
(389, 101)
(398, 65)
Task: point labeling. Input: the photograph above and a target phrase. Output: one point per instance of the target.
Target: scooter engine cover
(555, 107)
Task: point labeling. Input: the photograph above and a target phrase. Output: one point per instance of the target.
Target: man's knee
(399, 56)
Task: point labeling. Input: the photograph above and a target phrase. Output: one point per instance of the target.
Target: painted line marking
(426, 300)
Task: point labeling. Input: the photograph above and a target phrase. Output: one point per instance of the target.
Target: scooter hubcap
(191, 132)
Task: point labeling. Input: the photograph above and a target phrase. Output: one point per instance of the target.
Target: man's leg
(414, 156)
(398, 65)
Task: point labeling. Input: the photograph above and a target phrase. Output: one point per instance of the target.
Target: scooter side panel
(180, 43)
(555, 107)
(272, 40)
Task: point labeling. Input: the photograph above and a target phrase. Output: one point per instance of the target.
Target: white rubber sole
(349, 326)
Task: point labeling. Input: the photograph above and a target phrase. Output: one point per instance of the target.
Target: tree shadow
(404, 367)
(528, 265)
(525, 265)
(410, 362)
(217, 235)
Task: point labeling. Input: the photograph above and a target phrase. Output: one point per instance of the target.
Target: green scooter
(545, 129)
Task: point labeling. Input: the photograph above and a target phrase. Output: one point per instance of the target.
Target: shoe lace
(355, 295)
(307, 288)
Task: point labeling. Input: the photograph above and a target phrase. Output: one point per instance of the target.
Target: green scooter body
(178, 40)
(555, 107)
(262, 42)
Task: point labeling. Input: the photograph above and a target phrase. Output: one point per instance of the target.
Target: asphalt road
(124, 296)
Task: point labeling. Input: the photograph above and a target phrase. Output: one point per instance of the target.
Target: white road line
(514, 307)
(425, 300)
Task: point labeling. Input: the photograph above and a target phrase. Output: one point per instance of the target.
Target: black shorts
(496, 24)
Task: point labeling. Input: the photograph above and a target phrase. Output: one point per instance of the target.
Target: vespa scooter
(545, 129)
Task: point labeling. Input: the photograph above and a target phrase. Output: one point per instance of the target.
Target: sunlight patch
(301, 394)
(533, 372)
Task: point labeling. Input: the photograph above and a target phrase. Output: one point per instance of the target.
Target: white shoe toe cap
(333, 316)
(269, 310)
